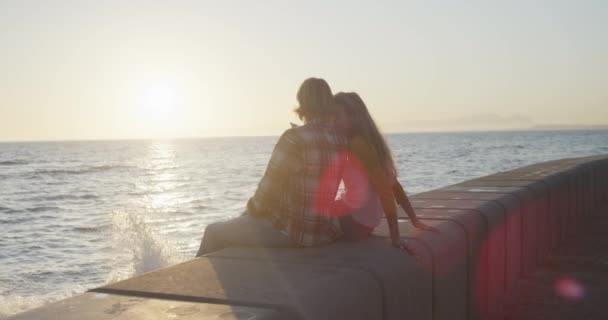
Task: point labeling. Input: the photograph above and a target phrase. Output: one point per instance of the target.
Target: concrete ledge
(491, 265)
(300, 289)
(449, 267)
(101, 306)
(511, 206)
(392, 269)
(521, 216)
(475, 229)
(534, 197)
(493, 231)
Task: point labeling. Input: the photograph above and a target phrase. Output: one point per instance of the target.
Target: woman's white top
(360, 196)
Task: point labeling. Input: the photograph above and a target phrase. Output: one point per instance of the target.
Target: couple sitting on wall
(295, 204)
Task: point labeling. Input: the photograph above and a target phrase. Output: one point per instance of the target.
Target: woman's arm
(403, 200)
(405, 203)
(379, 179)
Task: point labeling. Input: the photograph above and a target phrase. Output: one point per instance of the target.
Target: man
(292, 204)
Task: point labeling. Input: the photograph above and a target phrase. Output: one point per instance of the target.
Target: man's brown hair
(315, 100)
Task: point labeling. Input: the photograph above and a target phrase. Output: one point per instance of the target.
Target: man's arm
(285, 160)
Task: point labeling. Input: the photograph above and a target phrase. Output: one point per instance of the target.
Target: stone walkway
(572, 283)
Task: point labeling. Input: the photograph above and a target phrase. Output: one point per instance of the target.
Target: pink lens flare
(325, 194)
(569, 288)
(356, 183)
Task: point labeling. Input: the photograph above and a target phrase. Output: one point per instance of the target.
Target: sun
(166, 106)
(157, 101)
(159, 107)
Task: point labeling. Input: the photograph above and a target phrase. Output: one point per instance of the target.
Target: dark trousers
(242, 231)
(352, 230)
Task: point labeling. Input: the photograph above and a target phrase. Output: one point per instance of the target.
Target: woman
(370, 177)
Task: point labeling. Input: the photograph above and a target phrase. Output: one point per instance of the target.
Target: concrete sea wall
(493, 231)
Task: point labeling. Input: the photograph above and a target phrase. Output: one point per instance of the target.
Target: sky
(78, 70)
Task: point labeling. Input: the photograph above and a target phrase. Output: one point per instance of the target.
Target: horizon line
(546, 128)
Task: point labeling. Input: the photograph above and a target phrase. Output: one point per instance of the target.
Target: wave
(15, 220)
(146, 248)
(504, 147)
(13, 304)
(66, 197)
(13, 162)
(42, 208)
(92, 229)
(199, 204)
(78, 171)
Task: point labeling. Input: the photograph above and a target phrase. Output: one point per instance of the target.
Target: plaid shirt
(299, 186)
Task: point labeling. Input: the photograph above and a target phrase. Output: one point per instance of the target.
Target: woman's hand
(402, 244)
(421, 226)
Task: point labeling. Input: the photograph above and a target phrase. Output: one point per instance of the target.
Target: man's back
(300, 183)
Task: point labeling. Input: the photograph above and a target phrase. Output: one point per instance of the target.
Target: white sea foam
(146, 250)
(140, 249)
(13, 304)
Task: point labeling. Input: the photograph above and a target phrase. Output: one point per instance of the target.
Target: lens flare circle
(569, 288)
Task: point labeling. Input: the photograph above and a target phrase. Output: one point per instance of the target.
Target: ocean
(77, 215)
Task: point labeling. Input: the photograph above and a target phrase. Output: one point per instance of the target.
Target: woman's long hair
(363, 124)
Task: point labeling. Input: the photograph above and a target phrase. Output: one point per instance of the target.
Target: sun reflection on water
(161, 186)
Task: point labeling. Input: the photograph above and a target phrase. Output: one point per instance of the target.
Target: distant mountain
(569, 127)
(483, 122)
(476, 122)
